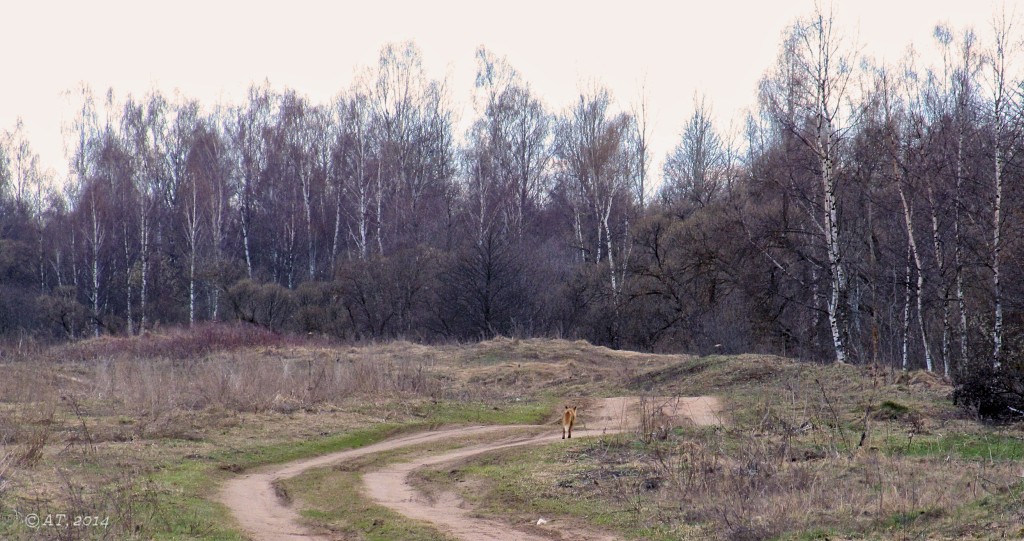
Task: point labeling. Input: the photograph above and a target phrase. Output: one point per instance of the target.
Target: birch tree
(144, 126)
(961, 66)
(593, 155)
(1002, 106)
(354, 180)
(903, 129)
(695, 169)
(412, 130)
(812, 101)
(248, 141)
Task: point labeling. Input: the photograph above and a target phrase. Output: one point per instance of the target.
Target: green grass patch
(332, 498)
(511, 486)
(430, 415)
(817, 534)
(242, 459)
(183, 506)
(967, 446)
(899, 521)
(892, 410)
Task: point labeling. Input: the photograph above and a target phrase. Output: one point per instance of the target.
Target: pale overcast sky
(212, 50)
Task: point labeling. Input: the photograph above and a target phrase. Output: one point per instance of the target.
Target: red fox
(568, 419)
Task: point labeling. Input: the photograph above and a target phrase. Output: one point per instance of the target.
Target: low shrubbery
(992, 393)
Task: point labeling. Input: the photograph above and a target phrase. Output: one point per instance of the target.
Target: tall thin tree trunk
(95, 241)
(144, 247)
(42, 260)
(838, 278)
(940, 264)
(336, 234)
(997, 325)
(380, 208)
(128, 280)
(958, 247)
(1000, 104)
(192, 219)
(906, 313)
(192, 289)
(908, 220)
(611, 256)
(310, 241)
(245, 243)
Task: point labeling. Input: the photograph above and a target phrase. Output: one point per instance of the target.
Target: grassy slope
(790, 464)
(154, 471)
(116, 432)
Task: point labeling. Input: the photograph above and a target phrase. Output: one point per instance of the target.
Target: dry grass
(86, 428)
(125, 426)
(811, 452)
(755, 488)
(92, 427)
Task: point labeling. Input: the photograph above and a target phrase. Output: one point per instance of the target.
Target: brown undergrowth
(809, 452)
(139, 429)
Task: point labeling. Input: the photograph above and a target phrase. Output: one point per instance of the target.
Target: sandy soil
(263, 516)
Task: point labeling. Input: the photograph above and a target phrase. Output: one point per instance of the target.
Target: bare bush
(156, 388)
(176, 343)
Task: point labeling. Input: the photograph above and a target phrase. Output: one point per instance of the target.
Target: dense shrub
(992, 393)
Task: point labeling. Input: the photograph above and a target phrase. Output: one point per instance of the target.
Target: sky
(212, 50)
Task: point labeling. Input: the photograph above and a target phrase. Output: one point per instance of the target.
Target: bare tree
(144, 129)
(86, 132)
(640, 141)
(412, 129)
(221, 193)
(353, 158)
(28, 184)
(961, 67)
(592, 150)
(812, 102)
(247, 135)
(1002, 107)
(695, 170)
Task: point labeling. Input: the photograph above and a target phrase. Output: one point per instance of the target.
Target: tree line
(866, 212)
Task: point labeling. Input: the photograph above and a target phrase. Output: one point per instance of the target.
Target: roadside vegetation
(807, 452)
(144, 430)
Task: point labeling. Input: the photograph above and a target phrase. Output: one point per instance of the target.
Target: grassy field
(132, 437)
(809, 452)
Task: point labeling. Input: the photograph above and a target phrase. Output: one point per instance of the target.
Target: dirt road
(262, 516)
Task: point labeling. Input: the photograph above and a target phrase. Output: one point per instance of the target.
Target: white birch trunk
(245, 241)
(128, 280)
(958, 248)
(906, 314)
(611, 255)
(336, 235)
(310, 241)
(380, 209)
(144, 247)
(997, 325)
(578, 226)
(217, 211)
(940, 264)
(908, 220)
(838, 278)
(192, 222)
(96, 241)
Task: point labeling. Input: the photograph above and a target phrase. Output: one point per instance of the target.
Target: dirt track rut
(263, 516)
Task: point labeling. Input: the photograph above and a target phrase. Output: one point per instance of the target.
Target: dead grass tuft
(178, 343)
